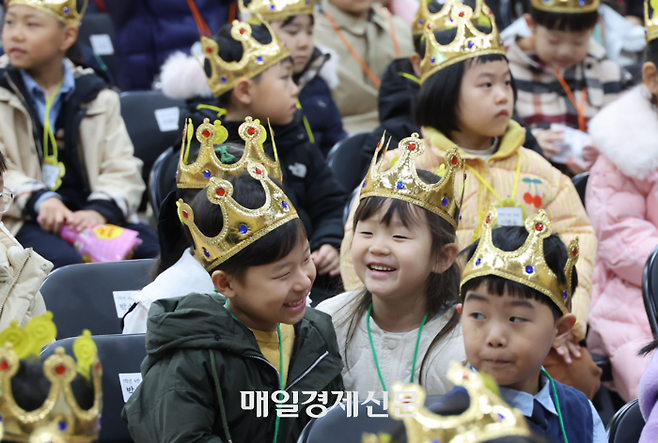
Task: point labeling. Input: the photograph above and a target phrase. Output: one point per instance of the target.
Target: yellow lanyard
(47, 131)
(493, 191)
(309, 132)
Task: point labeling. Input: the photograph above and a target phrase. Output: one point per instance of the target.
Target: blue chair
(162, 179)
(650, 290)
(626, 426)
(580, 182)
(347, 162)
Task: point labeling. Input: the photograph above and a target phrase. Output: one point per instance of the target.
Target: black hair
(441, 289)
(273, 246)
(562, 21)
(511, 238)
(289, 20)
(651, 52)
(3, 163)
(438, 97)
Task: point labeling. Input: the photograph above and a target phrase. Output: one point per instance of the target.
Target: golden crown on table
(566, 6)
(275, 10)
(242, 226)
(487, 417)
(197, 174)
(60, 418)
(401, 181)
(527, 264)
(256, 57)
(469, 41)
(651, 20)
(64, 10)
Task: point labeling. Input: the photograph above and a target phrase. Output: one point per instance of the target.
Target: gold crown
(256, 57)
(63, 10)
(651, 22)
(275, 10)
(566, 6)
(401, 181)
(241, 226)
(196, 175)
(487, 417)
(60, 418)
(527, 264)
(424, 17)
(469, 41)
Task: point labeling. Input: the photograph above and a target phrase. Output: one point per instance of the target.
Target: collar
(524, 402)
(350, 23)
(68, 82)
(510, 141)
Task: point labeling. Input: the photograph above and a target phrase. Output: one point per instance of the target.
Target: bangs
(408, 213)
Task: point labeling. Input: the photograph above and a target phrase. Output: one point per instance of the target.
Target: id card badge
(52, 172)
(510, 216)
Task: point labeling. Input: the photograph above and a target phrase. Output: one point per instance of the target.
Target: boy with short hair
(516, 292)
(562, 73)
(69, 157)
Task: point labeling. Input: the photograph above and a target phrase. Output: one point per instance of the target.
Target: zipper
(289, 385)
(16, 278)
(256, 357)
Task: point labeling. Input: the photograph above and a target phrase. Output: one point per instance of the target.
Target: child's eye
(486, 85)
(400, 237)
(477, 316)
(365, 233)
(282, 276)
(517, 320)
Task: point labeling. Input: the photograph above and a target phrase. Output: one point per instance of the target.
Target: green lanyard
(556, 401)
(278, 331)
(374, 354)
(47, 131)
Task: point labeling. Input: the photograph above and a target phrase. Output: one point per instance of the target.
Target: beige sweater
(395, 351)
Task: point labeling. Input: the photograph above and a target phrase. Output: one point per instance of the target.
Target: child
(70, 159)
(366, 38)
(562, 73)
(516, 291)
(467, 101)
(622, 202)
(21, 270)
(314, 70)
(404, 322)
(215, 350)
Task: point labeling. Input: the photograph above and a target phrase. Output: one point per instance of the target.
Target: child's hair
(3, 163)
(273, 246)
(511, 238)
(651, 52)
(561, 21)
(230, 50)
(441, 289)
(438, 97)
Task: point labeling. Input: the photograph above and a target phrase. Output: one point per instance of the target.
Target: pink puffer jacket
(622, 203)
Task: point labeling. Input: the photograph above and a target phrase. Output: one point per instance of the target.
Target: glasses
(6, 198)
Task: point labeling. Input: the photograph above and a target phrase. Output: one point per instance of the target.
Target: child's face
(353, 7)
(486, 99)
(272, 293)
(561, 49)
(509, 337)
(298, 37)
(33, 38)
(274, 96)
(393, 261)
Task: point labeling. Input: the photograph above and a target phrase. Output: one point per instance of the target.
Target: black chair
(162, 179)
(347, 162)
(97, 28)
(119, 354)
(139, 110)
(580, 182)
(650, 290)
(626, 426)
(82, 296)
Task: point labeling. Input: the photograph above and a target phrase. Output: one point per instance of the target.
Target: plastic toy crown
(241, 226)
(256, 57)
(651, 22)
(527, 264)
(469, 41)
(64, 10)
(60, 418)
(487, 417)
(275, 10)
(424, 17)
(566, 6)
(401, 181)
(196, 175)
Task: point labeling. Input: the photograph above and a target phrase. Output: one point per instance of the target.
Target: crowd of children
(466, 258)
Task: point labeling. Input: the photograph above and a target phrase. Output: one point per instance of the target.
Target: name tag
(510, 216)
(50, 174)
(129, 382)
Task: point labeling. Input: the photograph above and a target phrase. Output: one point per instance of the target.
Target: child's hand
(53, 214)
(327, 260)
(548, 140)
(570, 348)
(81, 220)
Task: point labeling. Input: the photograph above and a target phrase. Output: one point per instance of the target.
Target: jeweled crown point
(566, 6)
(65, 11)
(277, 10)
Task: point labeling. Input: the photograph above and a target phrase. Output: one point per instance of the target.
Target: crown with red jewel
(527, 264)
(276, 10)
(65, 11)
(60, 418)
(401, 181)
(197, 174)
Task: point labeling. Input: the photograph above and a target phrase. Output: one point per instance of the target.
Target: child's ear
(563, 326)
(529, 21)
(415, 63)
(223, 283)
(70, 36)
(446, 258)
(650, 77)
(460, 308)
(243, 92)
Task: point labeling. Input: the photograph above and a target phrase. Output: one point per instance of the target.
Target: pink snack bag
(103, 243)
